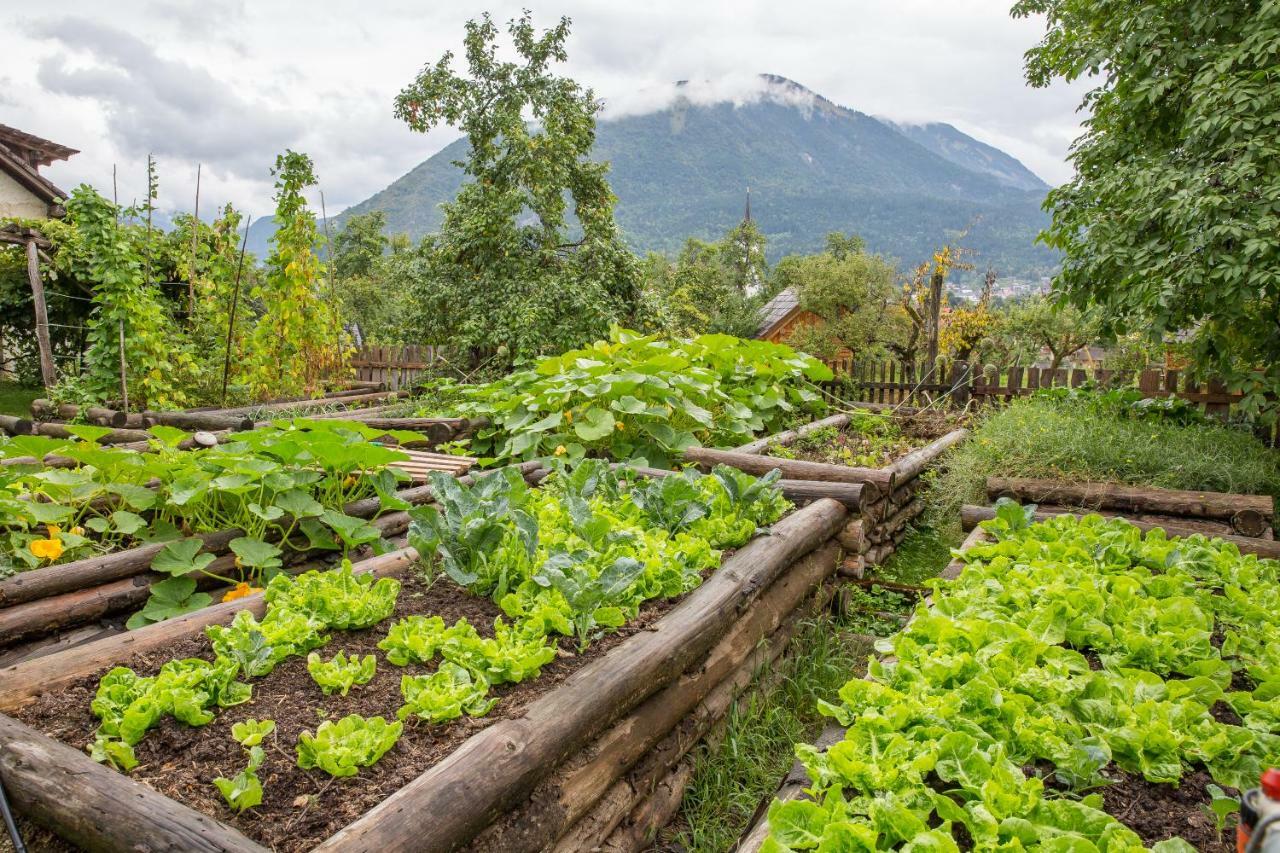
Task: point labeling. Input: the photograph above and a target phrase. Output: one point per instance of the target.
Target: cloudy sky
(229, 83)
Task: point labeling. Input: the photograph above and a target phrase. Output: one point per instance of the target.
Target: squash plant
(644, 398)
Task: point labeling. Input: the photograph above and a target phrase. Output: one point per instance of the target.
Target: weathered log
(910, 466)
(786, 439)
(116, 436)
(47, 410)
(318, 403)
(874, 512)
(971, 516)
(849, 494)
(1249, 515)
(1182, 526)
(663, 727)
(852, 566)
(16, 426)
(380, 411)
(896, 522)
(653, 813)
(498, 766)
(201, 420)
(905, 492)
(852, 536)
(883, 479)
(98, 808)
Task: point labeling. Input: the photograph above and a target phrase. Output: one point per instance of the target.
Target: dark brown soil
(300, 808)
(1157, 811)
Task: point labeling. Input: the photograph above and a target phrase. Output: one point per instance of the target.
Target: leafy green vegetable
(244, 790)
(250, 732)
(257, 647)
(992, 677)
(512, 655)
(445, 694)
(340, 673)
(169, 598)
(342, 748)
(338, 599)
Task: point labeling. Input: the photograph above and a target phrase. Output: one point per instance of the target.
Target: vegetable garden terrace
(540, 608)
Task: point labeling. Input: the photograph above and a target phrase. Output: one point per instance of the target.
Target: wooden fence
(911, 385)
(397, 366)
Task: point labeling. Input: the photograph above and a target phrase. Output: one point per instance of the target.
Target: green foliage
(1004, 642)
(1040, 322)
(1169, 223)
(1064, 440)
(853, 294)
(360, 245)
(342, 748)
(1128, 403)
(504, 270)
(256, 647)
(244, 790)
(127, 705)
(124, 296)
(635, 397)
(709, 287)
(298, 340)
(341, 673)
(445, 694)
(601, 547)
(338, 599)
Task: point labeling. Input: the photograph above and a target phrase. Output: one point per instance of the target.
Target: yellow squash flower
(568, 415)
(54, 530)
(560, 450)
(47, 549)
(76, 531)
(241, 590)
(618, 425)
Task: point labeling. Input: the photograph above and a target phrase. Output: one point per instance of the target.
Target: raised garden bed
(1172, 713)
(890, 501)
(596, 740)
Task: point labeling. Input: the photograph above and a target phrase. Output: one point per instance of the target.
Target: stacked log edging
(889, 504)
(611, 741)
(1210, 513)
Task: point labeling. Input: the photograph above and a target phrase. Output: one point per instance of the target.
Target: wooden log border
(488, 774)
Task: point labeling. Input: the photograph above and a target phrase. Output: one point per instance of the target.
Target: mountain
(681, 168)
(968, 153)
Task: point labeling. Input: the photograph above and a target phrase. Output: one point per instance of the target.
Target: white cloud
(227, 83)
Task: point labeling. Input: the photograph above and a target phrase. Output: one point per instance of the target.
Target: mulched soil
(1157, 811)
(300, 808)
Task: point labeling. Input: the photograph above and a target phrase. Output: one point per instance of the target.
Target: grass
(16, 399)
(762, 728)
(781, 707)
(1065, 441)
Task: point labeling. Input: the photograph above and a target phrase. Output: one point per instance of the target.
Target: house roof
(36, 150)
(776, 310)
(21, 155)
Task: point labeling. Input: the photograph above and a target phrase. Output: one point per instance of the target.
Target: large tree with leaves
(508, 269)
(1172, 220)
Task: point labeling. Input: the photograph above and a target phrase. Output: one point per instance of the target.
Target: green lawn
(16, 399)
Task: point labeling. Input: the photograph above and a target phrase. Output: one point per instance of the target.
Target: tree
(1062, 329)
(507, 270)
(298, 340)
(709, 287)
(360, 244)
(852, 294)
(1170, 222)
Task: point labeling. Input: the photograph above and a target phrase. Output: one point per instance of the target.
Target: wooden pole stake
(235, 299)
(47, 374)
(195, 238)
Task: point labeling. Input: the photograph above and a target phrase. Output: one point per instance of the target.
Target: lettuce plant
(342, 748)
(445, 694)
(339, 599)
(341, 673)
(244, 790)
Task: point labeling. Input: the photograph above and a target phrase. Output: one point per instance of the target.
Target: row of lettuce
(575, 559)
(1064, 652)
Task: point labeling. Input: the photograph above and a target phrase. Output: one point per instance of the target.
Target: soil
(1158, 811)
(300, 808)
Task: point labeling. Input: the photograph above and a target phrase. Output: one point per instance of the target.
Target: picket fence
(397, 366)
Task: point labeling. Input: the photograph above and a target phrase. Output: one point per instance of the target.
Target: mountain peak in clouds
(681, 157)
